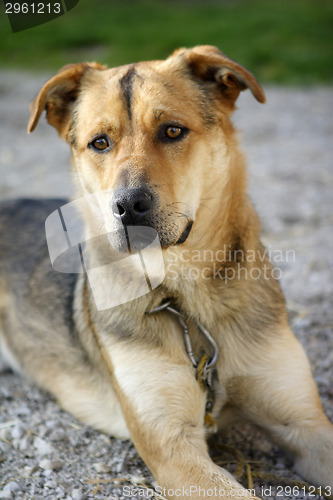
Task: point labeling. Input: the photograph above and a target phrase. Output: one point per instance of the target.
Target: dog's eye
(100, 144)
(173, 132)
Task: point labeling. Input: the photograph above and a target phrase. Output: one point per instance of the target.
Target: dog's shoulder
(22, 224)
(25, 264)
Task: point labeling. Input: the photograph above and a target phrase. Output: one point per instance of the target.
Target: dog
(209, 344)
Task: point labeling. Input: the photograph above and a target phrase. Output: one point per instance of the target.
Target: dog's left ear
(209, 64)
(59, 94)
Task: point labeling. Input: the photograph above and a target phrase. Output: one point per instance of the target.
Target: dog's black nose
(132, 206)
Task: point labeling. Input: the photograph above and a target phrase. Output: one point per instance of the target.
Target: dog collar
(205, 371)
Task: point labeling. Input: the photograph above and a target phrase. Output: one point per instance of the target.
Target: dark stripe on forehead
(126, 85)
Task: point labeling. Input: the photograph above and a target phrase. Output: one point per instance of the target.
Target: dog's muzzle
(132, 207)
(136, 207)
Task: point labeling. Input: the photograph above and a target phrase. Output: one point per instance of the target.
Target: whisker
(178, 203)
(180, 214)
(205, 206)
(209, 199)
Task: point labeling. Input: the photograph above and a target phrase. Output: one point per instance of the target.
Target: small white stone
(11, 486)
(24, 411)
(25, 443)
(18, 431)
(101, 467)
(43, 447)
(5, 435)
(58, 435)
(60, 492)
(137, 479)
(77, 494)
(47, 473)
(28, 471)
(4, 448)
(47, 464)
(51, 484)
(5, 494)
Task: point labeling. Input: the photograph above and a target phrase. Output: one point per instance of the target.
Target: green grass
(283, 41)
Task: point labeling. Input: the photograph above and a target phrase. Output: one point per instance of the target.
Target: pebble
(23, 411)
(18, 431)
(29, 471)
(12, 486)
(5, 393)
(58, 435)
(43, 447)
(47, 464)
(4, 447)
(60, 492)
(9, 490)
(5, 494)
(5, 435)
(77, 494)
(24, 443)
(48, 473)
(52, 424)
(102, 467)
(51, 485)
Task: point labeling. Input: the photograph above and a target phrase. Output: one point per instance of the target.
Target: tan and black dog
(156, 137)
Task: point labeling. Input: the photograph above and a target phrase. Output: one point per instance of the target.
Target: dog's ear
(209, 64)
(58, 95)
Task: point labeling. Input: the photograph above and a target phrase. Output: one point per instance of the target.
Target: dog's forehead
(147, 74)
(147, 87)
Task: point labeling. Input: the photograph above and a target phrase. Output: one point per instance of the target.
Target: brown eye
(100, 144)
(174, 132)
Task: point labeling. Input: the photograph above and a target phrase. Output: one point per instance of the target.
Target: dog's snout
(132, 206)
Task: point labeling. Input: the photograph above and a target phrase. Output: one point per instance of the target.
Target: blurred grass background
(281, 41)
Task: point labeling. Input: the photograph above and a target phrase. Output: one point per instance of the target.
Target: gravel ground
(44, 452)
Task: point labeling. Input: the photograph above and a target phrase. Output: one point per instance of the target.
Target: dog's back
(25, 271)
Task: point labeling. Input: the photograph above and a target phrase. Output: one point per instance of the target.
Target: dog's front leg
(164, 409)
(279, 394)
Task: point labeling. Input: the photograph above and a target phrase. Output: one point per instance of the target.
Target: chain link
(205, 367)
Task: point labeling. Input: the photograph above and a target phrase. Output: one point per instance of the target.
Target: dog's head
(155, 135)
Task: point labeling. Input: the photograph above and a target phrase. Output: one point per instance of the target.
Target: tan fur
(137, 362)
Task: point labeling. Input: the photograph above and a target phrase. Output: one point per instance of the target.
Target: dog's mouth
(133, 239)
(185, 234)
(137, 238)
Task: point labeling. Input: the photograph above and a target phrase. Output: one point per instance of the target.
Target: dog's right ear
(58, 95)
(211, 66)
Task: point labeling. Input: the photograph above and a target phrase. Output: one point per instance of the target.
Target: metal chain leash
(205, 367)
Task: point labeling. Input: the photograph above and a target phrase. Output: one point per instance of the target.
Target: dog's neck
(226, 219)
(225, 231)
